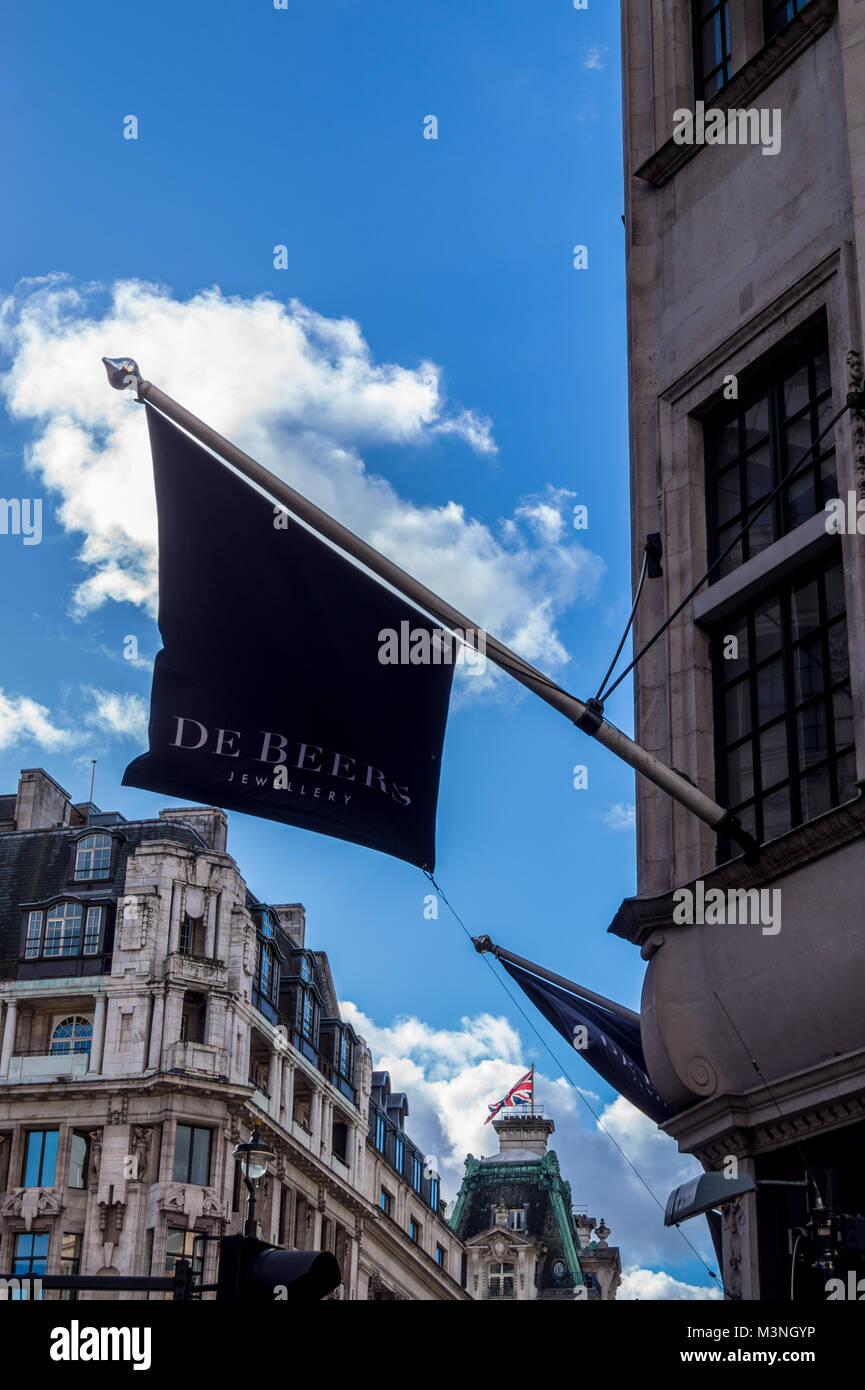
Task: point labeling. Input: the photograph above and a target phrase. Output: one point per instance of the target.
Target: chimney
(210, 822)
(41, 803)
(527, 1132)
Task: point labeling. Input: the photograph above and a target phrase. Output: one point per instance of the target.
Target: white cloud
(594, 59)
(302, 394)
(452, 1075)
(113, 713)
(649, 1284)
(22, 720)
(622, 815)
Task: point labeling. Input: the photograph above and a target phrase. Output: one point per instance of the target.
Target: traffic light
(251, 1271)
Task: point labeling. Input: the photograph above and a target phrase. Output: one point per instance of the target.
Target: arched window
(93, 857)
(63, 930)
(72, 1034)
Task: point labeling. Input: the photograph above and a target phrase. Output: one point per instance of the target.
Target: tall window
(40, 1158)
(305, 968)
(267, 975)
(309, 1016)
(434, 1193)
(191, 939)
(385, 1201)
(70, 1262)
(517, 1219)
(192, 1155)
(712, 51)
(441, 1257)
(33, 942)
(784, 721)
(380, 1131)
(345, 1055)
(778, 14)
(78, 1154)
(415, 1231)
(93, 923)
(93, 857)
(72, 1034)
(417, 1172)
(399, 1152)
(31, 1253)
(755, 443)
(501, 1280)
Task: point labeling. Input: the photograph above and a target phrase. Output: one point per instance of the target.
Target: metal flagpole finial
(122, 372)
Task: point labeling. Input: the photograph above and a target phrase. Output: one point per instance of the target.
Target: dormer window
(345, 1056)
(66, 929)
(305, 968)
(93, 857)
(517, 1219)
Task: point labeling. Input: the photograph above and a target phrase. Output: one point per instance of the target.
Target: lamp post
(254, 1158)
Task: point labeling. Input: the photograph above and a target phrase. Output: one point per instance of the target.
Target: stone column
(326, 1144)
(351, 1152)
(154, 1055)
(174, 921)
(315, 1119)
(287, 1092)
(274, 1082)
(173, 1016)
(210, 929)
(98, 1041)
(354, 1256)
(8, 1036)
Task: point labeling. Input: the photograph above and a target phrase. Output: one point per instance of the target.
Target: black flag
(609, 1043)
(269, 696)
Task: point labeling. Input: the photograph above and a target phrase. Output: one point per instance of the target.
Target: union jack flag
(520, 1094)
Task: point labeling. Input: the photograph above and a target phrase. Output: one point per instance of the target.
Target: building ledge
(638, 919)
(751, 79)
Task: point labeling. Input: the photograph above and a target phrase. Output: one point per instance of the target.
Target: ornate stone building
(150, 1008)
(523, 1239)
(746, 266)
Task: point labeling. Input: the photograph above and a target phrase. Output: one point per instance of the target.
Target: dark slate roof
(34, 866)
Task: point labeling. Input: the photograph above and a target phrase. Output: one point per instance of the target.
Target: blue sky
(304, 128)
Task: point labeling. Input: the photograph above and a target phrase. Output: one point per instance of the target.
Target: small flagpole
(124, 372)
(484, 946)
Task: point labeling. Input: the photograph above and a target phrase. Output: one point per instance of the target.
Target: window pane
(774, 766)
(816, 793)
(200, 1171)
(770, 691)
(756, 421)
(811, 736)
(49, 1160)
(796, 391)
(847, 788)
(776, 814)
(834, 584)
(78, 1161)
(728, 498)
(737, 711)
(740, 774)
(767, 629)
(842, 715)
(808, 668)
(758, 477)
(181, 1153)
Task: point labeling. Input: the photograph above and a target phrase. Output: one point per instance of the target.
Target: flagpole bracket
(731, 827)
(592, 718)
(482, 944)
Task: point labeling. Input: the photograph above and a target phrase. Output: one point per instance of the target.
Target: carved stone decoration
(141, 1137)
(174, 1199)
(118, 1106)
(48, 1205)
(95, 1136)
(12, 1206)
(734, 1222)
(856, 385)
(702, 1076)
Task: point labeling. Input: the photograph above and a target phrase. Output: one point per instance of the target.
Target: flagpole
(588, 716)
(484, 946)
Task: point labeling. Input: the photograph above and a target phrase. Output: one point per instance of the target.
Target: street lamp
(254, 1158)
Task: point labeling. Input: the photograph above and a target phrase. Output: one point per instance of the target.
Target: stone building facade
(746, 267)
(150, 1009)
(514, 1214)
